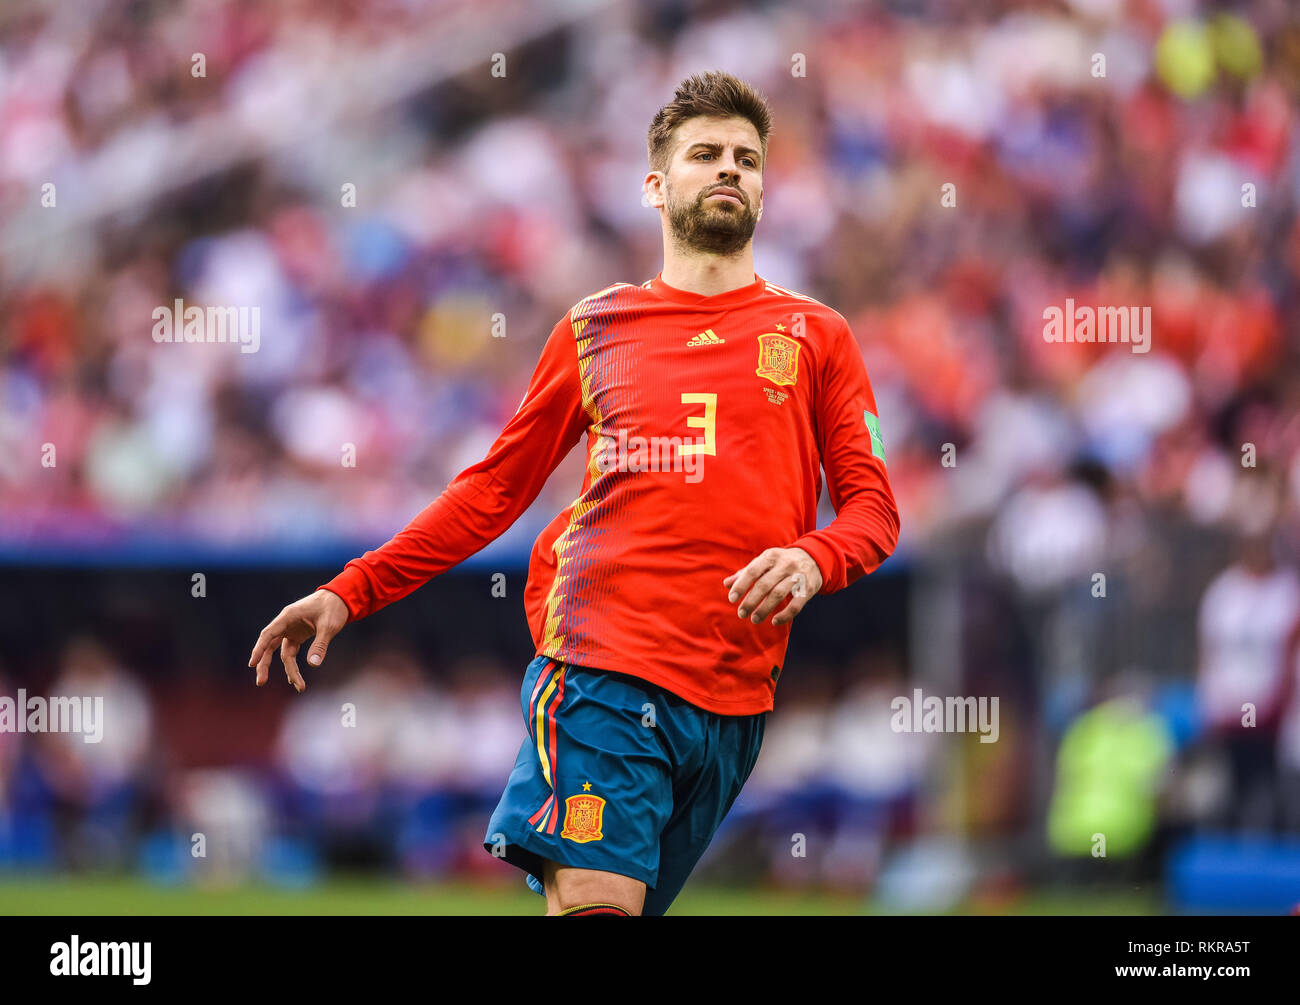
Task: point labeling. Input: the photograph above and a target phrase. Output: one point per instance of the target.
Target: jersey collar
(727, 299)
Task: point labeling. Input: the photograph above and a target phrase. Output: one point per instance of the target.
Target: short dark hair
(713, 93)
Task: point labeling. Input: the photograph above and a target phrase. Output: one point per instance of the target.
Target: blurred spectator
(1110, 774)
(1247, 618)
(92, 791)
(1288, 753)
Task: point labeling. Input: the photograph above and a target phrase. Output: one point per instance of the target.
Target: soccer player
(660, 600)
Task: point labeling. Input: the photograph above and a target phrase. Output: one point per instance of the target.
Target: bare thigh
(568, 887)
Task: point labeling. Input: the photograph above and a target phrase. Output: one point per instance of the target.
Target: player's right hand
(322, 614)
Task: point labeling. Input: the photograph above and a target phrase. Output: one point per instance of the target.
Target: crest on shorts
(778, 358)
(583, 816)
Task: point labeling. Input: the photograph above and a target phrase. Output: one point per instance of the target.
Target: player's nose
(728, 177)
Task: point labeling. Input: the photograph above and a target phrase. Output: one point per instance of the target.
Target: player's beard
(716, 227)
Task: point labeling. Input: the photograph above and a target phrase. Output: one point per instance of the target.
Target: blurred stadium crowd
(392, 769)
(1164, 174)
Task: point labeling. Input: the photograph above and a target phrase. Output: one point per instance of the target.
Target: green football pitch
(79, 896)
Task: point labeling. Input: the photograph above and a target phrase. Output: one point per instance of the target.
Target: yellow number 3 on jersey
(708, 422)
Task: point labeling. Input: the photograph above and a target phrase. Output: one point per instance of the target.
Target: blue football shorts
(620, 775)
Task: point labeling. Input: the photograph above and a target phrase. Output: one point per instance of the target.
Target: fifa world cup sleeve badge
(778, 358)
(583, 816)
(873, 427)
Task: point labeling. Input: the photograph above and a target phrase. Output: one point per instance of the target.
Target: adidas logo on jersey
(706, 338)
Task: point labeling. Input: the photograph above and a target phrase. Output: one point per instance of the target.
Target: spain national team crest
(778, 358)
(583, 816)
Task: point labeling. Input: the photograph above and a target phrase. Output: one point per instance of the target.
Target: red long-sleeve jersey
(707, 419)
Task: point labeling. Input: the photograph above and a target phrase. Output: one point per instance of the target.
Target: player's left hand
(771, 577)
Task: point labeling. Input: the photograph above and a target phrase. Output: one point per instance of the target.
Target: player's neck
(709, 275)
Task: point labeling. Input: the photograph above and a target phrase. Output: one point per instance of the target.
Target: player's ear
(652, 190)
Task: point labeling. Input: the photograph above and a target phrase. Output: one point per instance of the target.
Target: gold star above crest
(780, 327)
(586, 786)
